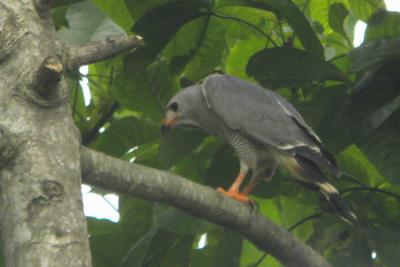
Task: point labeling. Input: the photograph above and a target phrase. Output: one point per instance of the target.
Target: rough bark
(102, 50)
(42, 221)
(136, 180)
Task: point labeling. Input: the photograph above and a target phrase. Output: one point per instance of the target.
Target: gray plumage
(263, 128)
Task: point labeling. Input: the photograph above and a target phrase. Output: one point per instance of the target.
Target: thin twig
(371, 189)
(104, 119)
(269, 38)
(291, 228)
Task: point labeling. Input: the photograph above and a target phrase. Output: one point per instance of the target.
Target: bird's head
(183, 109)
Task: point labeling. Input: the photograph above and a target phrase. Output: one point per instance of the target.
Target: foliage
(302, 49)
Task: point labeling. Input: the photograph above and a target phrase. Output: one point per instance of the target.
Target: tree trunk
(42, 221)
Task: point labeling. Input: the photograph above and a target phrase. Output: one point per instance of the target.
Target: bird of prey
(264, 129)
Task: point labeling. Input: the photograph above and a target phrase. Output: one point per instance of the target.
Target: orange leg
(250, 186)
(233, 191)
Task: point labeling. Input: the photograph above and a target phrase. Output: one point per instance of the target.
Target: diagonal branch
(137, 180)
(93, 52)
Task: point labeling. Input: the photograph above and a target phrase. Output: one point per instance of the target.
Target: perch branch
(161, 186)
(93, 52)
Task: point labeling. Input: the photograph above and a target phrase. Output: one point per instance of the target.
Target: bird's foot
(237, 196)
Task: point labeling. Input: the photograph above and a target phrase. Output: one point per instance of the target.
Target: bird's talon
(237, 196)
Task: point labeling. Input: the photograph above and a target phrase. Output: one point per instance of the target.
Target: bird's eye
(174, 106)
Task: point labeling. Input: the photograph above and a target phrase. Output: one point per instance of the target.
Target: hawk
(264, 129)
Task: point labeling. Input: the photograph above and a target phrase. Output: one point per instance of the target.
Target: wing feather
(264, 116)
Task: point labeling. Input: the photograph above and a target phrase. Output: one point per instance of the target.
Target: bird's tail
(337, 202)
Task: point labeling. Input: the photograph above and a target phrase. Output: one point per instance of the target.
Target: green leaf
(292, 212)
(178, 143)
(383, 24)
(159, 24)
(364, 9)
(208, 53)
(285, 66)
(126, 133)
(197, 48)
(355, 252)
(386, 244)
(245, 22)
(240, 54)
(179, 254)
(137, 8)
(136, 255)
(144, 86)
(58, 16)
(354, 162)
(251, 256)
(117, 11)
(374, 54)
(155, 247)
(382, 147)
(108, 242)
(145, 154)
(337, 15)
(319, 12)
(222, 241)
(359, 117)
(298, 23)
(87, 23)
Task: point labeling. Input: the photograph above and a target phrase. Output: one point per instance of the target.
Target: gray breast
(246, 149)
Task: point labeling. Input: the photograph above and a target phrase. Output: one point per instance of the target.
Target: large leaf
(360, 116)
(374, 54)
(365, 8)
(291, 12)
(197, 48)
(208, 53)
(354, 162)
(126, 133)
(285, 66)
(382, 147)
(137, 8)
(337, 15)
(159, 248)
(383, 24)
(178, 143)
(298, 22)
(117, 11)
(386, 244)
(240, 53)
(222, 241)
(136, 255)
(87, 23)
(319, 11)
(159, 24)
(245, 22)
(110, 242)
(107, 242)
(144, 86)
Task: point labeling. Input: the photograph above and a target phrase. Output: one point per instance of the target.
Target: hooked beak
(168, 121)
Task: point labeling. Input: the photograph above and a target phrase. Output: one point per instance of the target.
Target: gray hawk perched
(264, 129)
